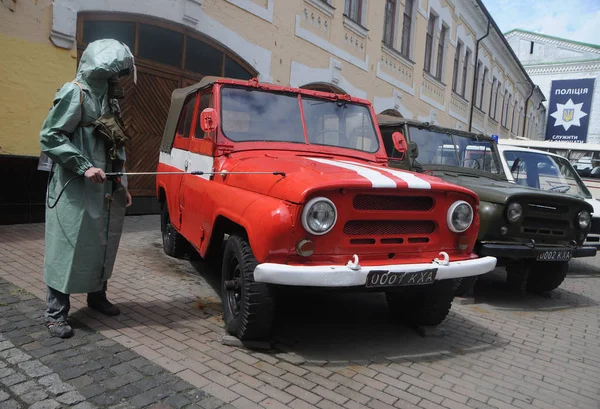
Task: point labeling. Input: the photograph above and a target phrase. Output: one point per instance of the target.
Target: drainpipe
(526, 106)
(475, 73)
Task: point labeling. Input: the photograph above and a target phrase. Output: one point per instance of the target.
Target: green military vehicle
(533, 233)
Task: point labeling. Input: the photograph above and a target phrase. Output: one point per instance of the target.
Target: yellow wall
(30, 74)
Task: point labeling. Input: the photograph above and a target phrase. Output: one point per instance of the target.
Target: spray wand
(116, 177)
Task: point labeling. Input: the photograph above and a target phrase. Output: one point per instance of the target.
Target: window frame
(391, 6)
(407, 23)
(441, 53)
(492, 97)
(465, 72)
(359, 11)
(429, 37)
(456, 65)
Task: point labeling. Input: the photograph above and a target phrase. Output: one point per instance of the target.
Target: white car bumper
(356, 275)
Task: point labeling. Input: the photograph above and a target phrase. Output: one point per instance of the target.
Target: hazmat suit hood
(105, 59)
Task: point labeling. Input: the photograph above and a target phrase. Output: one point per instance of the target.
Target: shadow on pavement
(583, 268)
(491, 289)
(326, 326)
(339, 327)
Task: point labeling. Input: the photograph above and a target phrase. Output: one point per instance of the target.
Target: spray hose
(116, 177)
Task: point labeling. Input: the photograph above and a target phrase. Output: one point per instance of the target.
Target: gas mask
(115, 90)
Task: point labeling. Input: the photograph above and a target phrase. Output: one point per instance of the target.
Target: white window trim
(251, 7)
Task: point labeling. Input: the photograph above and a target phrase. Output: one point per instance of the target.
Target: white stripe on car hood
(376, 178)
(413, 181)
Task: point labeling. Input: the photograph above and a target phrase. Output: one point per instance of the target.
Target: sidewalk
(86, 371)
(332, 351)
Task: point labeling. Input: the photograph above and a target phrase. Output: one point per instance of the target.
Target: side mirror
(400, 143)
(515, 165)
(209, 120)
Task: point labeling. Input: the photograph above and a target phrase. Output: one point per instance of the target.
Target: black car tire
(248, 306)
(546, 275)
(426, 305)
(174, 244)
(466, 283)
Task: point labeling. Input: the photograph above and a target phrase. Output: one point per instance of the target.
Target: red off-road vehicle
(298, 180)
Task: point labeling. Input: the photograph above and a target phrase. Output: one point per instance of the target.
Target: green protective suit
(84, 229)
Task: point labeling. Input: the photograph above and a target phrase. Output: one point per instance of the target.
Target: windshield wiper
(462, 174)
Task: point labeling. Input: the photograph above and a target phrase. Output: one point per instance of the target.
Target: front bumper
(517, 251)
(350, 275)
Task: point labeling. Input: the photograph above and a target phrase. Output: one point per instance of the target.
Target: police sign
(569, 110)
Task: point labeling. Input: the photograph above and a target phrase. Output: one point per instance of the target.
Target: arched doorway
(168, 56)
(323, 86)
(391, 112)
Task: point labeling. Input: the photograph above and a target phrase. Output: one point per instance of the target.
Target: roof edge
(547, 36)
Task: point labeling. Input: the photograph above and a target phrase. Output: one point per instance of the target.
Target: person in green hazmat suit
(82, 137)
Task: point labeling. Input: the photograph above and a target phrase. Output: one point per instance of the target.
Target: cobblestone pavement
(331, 350)
(88, 371)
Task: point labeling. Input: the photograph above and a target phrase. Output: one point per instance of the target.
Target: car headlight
(319, 216)
(584, 219)
(460, 216)
(514, 211)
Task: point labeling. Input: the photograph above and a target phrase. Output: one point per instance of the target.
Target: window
(389, 23)
(476, 84)
(455, 69)
(182, 51)
(255, 115)
(531, 48)
(441, 148)
(505, 107)
(440, 53)
(429, 42)
(406, 28)
(235, 70)
(187, 115)
(483, 81)
(160, 44)
(512, 120)
(202, 58)
(205, 102)
(464, 74)
(492, 98)
(353, 10)
(498, 94)
(123, 31)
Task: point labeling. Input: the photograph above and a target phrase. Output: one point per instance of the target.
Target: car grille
(548, 208)
(391, 203)
(388, 227)
(545, 227)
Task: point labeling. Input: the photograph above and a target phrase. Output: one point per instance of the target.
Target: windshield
(545, 172)
(436, 148)
(254, 115)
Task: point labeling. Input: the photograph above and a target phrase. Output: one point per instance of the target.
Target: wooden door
(145, 109)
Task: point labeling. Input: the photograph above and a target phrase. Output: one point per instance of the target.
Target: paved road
(331, 350)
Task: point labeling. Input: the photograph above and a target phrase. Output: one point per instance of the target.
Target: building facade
(560, 61)
(442, 61)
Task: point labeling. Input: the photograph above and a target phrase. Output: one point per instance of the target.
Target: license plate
(384, 278)
(554, 255)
